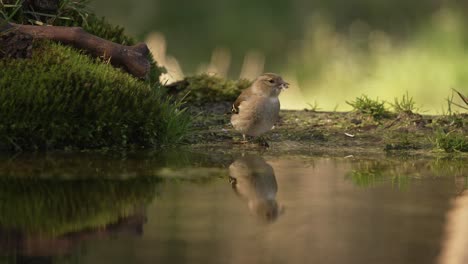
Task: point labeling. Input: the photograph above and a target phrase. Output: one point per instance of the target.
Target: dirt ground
(334, 133)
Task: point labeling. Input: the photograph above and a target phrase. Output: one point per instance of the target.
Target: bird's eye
(271, 81)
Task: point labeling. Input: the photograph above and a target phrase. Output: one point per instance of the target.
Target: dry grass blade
(464, 98)
(17, 6)
(451, 102)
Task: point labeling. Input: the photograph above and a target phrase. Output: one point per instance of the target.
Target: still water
(186, 207)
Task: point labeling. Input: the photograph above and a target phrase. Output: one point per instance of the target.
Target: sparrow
(253, 179)
(256, 110)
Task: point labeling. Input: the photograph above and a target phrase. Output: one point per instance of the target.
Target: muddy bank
(341, 133)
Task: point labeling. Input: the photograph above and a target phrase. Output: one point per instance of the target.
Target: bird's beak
(284, 85)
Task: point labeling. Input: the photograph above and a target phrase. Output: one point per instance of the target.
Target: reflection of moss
(56, 207)
(372, 173)
(373, 177)
(206, 88)
(109, 165)
(62, 98)
(402, 171)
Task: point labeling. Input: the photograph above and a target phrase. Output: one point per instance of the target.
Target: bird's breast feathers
(260, 108)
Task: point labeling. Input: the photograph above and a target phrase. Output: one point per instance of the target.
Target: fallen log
(134, 59)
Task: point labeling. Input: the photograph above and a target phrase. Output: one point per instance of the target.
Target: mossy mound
(56, 207)
(204, 88)
(62, 98)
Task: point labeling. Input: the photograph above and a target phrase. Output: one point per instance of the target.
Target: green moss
(61, 98)
(56, 207)
(42, 96)
(76, 13)
(204, 88)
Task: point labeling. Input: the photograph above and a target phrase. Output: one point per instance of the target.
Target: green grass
(313, 107)
(451, 141)
(20, 11)
(62, 98)
(70, 13)
(404, 105)
(371, 107)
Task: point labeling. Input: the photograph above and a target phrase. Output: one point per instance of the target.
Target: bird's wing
(242, 97)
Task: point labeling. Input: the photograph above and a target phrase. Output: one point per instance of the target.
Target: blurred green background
(330, 50)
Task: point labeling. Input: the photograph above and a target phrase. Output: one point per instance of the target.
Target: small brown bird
(253, 179)
(256, 110)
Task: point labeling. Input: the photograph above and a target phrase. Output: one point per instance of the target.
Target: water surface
(186, 207)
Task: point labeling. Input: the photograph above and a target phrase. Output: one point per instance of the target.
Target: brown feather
(242, 97)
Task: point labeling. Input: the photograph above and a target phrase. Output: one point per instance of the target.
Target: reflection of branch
(132, 58)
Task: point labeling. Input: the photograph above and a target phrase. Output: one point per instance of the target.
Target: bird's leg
(244, 139)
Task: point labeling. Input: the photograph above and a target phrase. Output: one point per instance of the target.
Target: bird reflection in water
(254, 180)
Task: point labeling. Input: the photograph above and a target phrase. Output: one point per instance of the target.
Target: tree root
(134, 59)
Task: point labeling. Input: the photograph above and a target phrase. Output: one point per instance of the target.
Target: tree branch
(134, 59)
